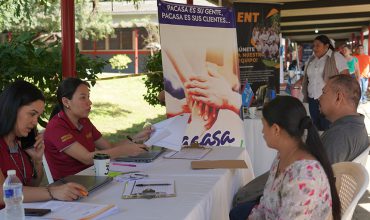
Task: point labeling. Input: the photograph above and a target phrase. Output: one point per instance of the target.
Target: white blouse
(315, 72)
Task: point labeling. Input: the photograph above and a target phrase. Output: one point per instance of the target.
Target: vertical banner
(258, 30)
(201, 73)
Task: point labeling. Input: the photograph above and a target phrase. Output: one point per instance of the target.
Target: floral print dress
(302, 191)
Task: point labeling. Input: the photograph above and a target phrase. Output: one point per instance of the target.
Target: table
(260, 154)
(201, 194)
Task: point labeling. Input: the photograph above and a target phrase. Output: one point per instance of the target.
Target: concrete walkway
(362, 211)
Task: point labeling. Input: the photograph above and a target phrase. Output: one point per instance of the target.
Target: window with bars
(121, 39)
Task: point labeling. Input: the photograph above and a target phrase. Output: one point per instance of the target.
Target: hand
(143, 135)
(37, 151)
(133, 149)
(68, 191)
(204, 115)
(211, 89)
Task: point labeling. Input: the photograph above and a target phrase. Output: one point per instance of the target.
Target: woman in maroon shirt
(71, 140)
(21, 104)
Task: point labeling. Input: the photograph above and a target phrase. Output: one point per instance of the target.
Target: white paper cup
(101, 164)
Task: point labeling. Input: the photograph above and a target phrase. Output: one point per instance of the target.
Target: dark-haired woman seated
(301, 184)
(71, 140)
(21, 104)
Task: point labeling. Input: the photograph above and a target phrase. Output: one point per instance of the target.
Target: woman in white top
(323, 64)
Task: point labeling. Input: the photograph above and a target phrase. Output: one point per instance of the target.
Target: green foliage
(20, 8)
(120, 61)
(41, 64)
(30, 15)
(91, 23)
(44, 16)
(154, 80)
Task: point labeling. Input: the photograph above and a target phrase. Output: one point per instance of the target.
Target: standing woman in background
(323, 64)
(21, 104)
(71, 140)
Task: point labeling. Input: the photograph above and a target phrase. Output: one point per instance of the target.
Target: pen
(130, 138)
(124, 164)
(144, 148)
(154, 184)
(83, 192)
(139, 174)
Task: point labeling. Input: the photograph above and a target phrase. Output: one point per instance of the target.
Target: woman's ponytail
(314, 146)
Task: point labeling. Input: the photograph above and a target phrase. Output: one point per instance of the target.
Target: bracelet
(51, 195)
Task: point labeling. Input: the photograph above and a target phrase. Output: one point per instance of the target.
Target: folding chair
(47, 170)
(352, 180)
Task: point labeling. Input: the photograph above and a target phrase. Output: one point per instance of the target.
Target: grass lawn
(120, 109)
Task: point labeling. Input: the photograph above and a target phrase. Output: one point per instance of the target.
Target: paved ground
(362, 211)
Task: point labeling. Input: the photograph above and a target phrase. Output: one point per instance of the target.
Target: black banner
(258, 34)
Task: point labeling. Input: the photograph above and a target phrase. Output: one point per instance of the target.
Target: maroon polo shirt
(7, 163)
(59, 134)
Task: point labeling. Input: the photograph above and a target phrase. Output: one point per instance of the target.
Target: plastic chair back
(362, 158)
(352, 180)
(47, 170)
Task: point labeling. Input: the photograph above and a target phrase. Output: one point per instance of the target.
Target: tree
(40, 63)
(90, 23)
(154, 80)
(30, 58)
(44, 16)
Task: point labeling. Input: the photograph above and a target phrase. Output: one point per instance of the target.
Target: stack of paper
(76, 210)
(169, 133)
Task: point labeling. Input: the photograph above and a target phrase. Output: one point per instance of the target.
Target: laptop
(91, 183)
(145, 157)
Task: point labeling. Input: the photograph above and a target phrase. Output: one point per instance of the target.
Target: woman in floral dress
(301, 184)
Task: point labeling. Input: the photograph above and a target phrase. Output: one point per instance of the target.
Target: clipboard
(149, 189)
(192, 152)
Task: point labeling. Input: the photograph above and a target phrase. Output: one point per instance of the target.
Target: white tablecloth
(201, 194)
(260, 154)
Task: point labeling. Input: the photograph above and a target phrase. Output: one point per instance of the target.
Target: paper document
(76, 210)
(157, 136)
(169, 133)
(190, 153)
(149, 188)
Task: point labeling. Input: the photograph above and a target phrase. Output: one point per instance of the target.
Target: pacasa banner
(258, 30)
(201, 73)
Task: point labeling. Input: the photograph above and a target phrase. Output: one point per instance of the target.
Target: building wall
(121, 42)
(131, 66)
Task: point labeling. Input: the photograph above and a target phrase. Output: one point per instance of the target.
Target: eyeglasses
(130, 177)
(137, 176)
